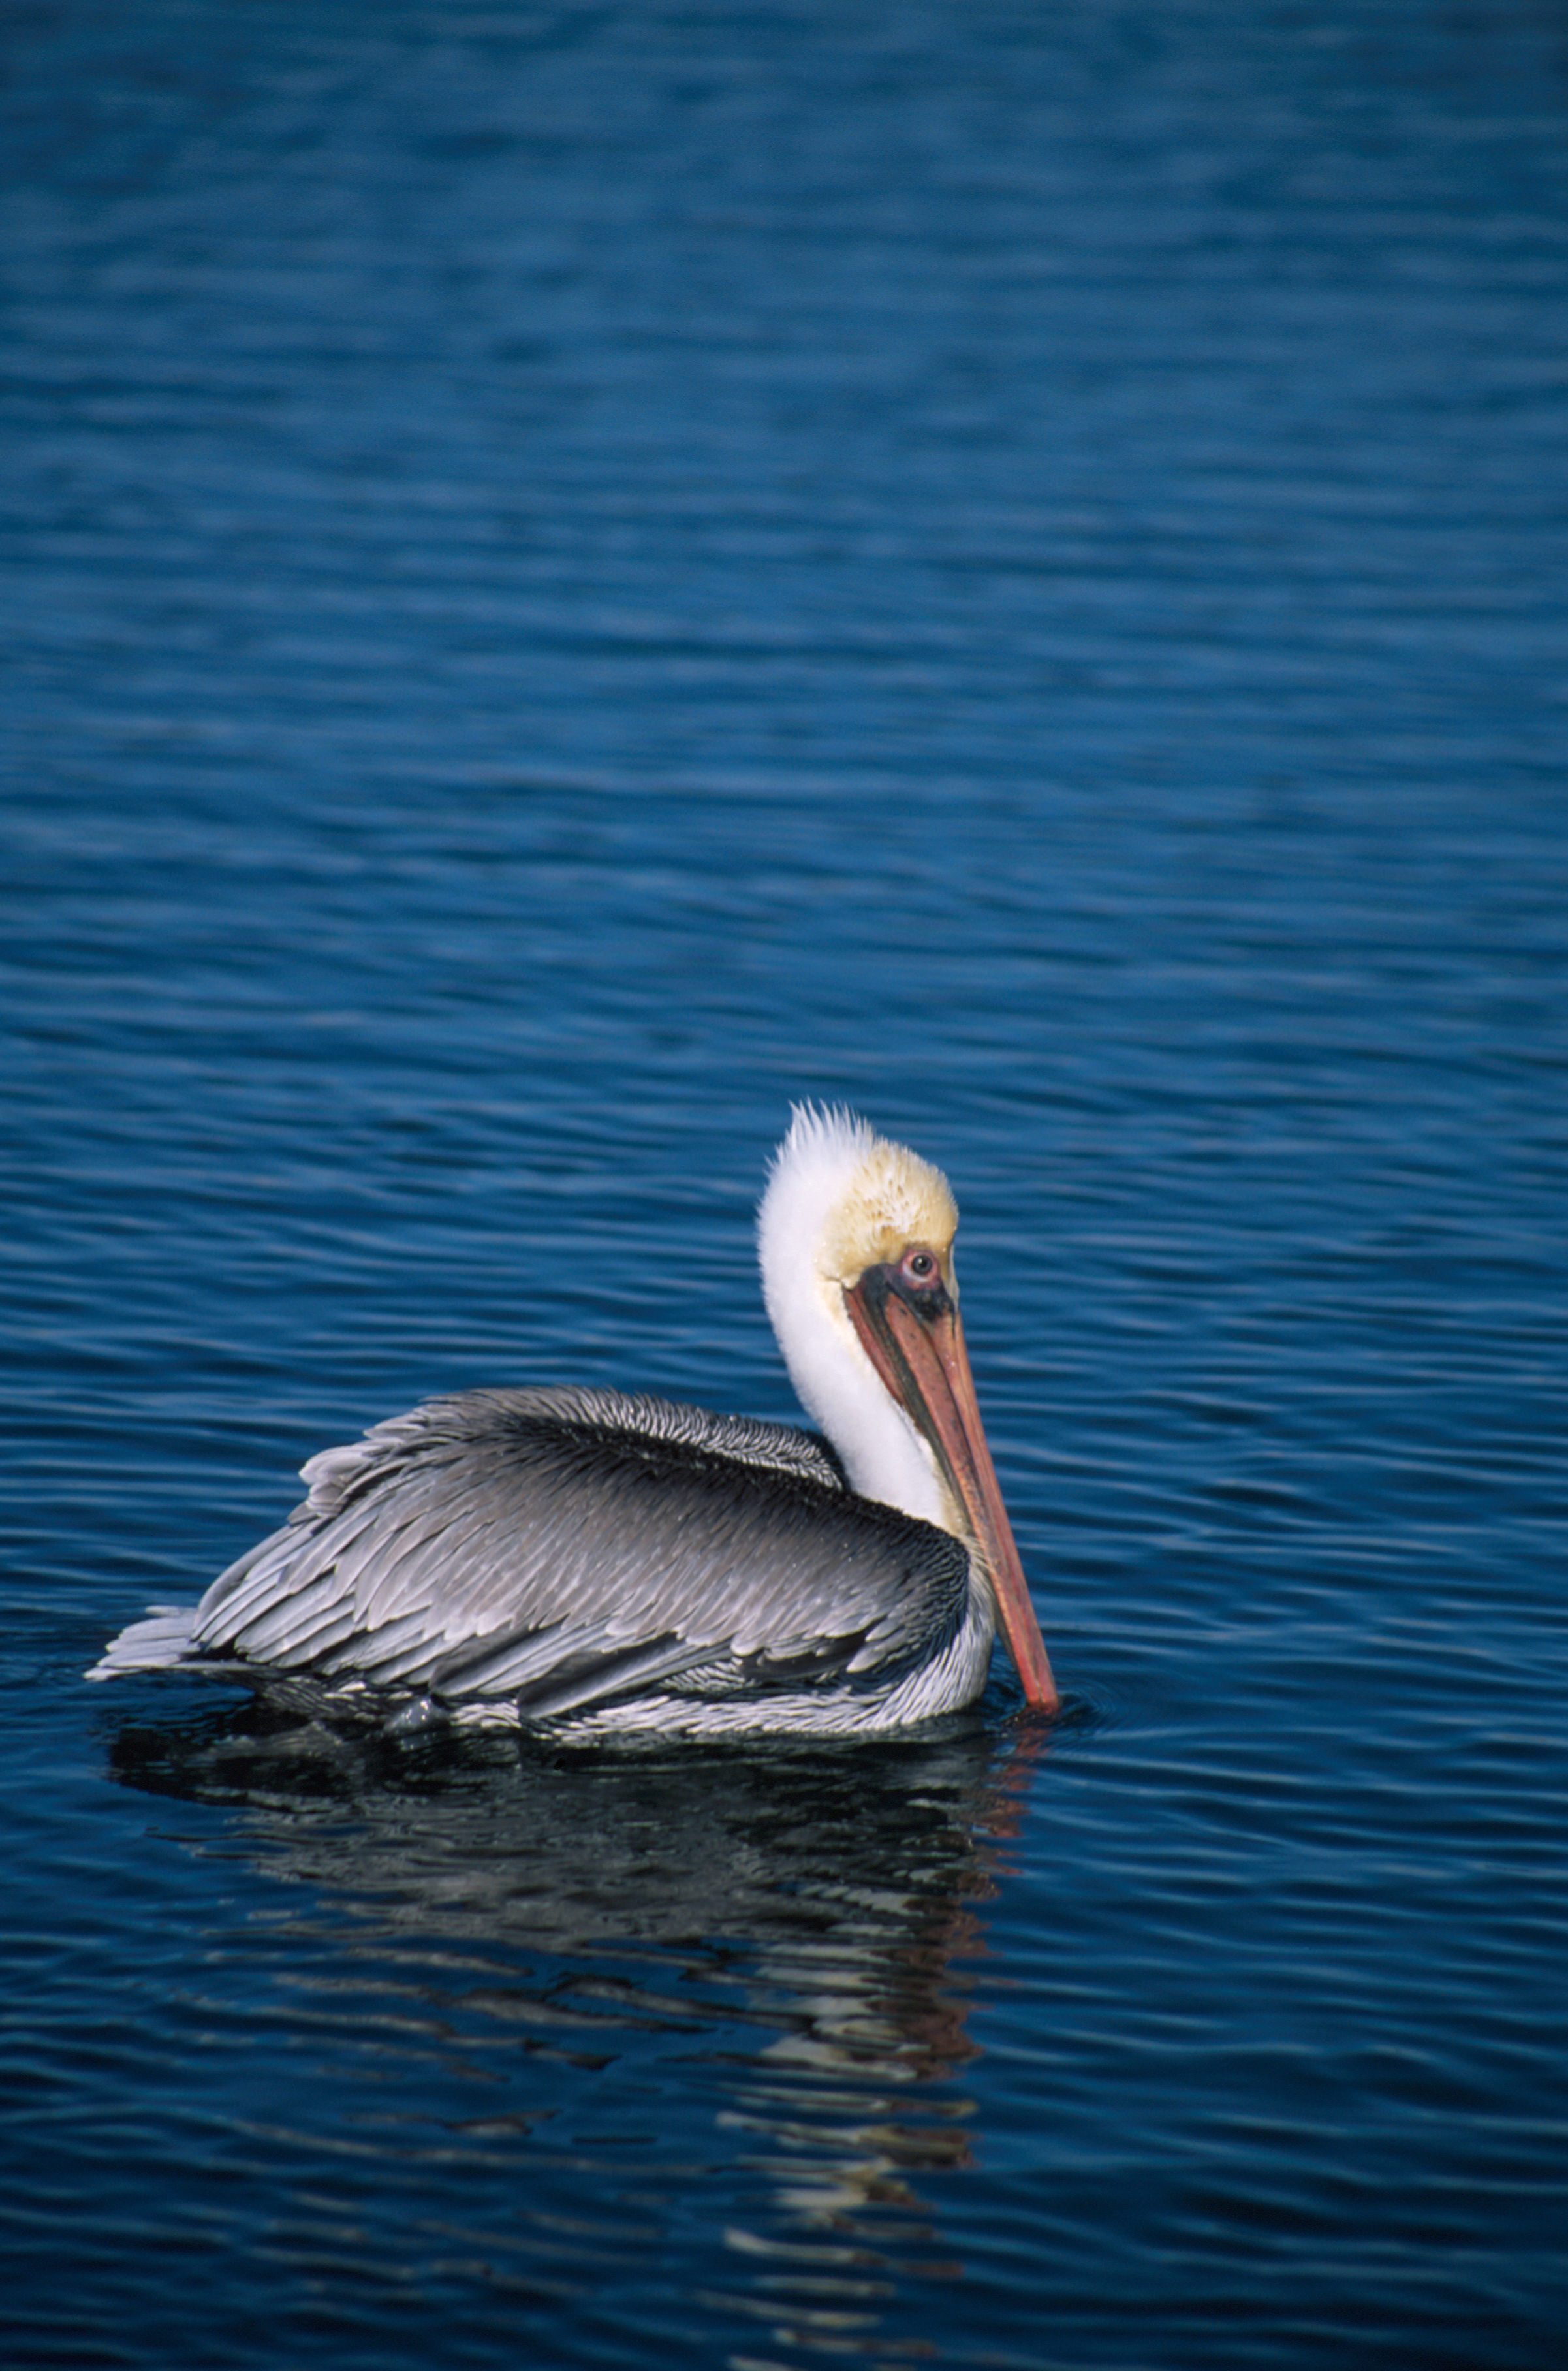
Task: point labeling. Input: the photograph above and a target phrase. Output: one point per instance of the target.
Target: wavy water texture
(574, 575)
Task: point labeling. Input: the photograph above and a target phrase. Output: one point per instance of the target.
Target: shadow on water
(766, 1945)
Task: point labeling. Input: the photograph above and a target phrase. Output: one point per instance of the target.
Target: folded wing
(561, 1550)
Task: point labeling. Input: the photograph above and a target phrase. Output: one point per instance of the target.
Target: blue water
(572, 574)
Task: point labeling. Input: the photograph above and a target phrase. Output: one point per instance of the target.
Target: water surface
(572, 576)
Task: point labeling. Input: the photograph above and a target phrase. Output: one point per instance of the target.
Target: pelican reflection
(735, 1983)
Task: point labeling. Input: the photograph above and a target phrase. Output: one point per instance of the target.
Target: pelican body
(591, 1560)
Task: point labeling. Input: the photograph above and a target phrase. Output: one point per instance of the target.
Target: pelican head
(855, 1236)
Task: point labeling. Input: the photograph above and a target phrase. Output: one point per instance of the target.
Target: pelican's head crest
(841, 1198)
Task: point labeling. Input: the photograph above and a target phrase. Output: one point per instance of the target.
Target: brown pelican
(598, 1561)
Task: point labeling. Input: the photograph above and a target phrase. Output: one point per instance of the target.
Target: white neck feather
(819, 1167)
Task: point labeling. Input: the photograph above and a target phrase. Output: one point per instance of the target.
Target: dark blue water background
(572, 574)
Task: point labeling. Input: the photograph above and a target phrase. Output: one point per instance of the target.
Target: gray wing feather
(553, 1546)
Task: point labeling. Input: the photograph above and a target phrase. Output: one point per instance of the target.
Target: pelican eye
(920, 1269)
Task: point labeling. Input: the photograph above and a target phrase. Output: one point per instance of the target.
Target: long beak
(919, 1354)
